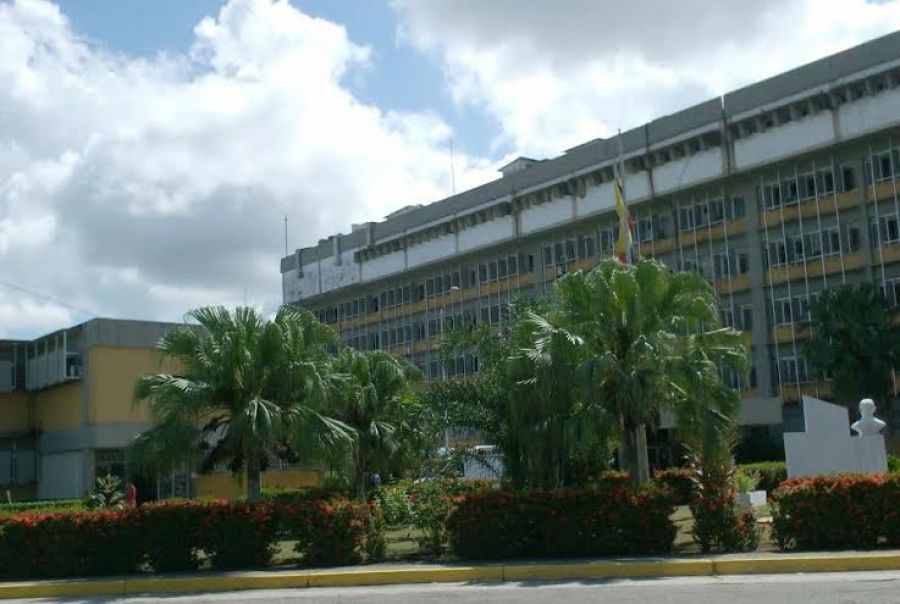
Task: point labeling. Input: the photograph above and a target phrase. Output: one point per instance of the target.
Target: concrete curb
(492, 573)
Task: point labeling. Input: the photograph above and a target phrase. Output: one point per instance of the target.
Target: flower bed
(841, 512)
(615, 521)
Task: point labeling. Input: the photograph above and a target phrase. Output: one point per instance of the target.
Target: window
(559, 253)
(742, 265)
(455, 279)
(548, 256)
(608, 238)
(643, 230)
(492, 270)
(826, 181)
(888, 230)
(738, 209)
(716, 211)
(746, 317)
(721, 265)
(848, 178)
(831, 241)
(513, 266)
(812, 245)
(852, 238)
(501, 268)
(570, 249)
(777, 253)
(586, 246)
(482, 273)
(784, 314)
(686, 219)
(772, 195)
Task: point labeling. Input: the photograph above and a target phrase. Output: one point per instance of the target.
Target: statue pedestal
(826, 446)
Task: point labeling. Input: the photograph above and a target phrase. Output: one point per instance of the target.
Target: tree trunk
(253, 479)
(633, 453)
(360, 487)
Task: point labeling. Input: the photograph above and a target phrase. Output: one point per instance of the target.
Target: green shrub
(771, 473)
(893, 463)
(283, 495)
(393, 499)
(334, 532)
(170, 536)
(238, 535)
(837, 512)
(679, 480)
(615, 521)
(431, 502)
(69, 544)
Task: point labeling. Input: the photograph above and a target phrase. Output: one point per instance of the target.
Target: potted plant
(745, 484)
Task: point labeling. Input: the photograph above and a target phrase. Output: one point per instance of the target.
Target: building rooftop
(523, 173)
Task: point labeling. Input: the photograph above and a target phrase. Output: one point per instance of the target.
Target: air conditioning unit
(74, 371)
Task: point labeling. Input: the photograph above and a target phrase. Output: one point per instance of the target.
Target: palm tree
(373, 397)
(852, 340)
(645, 327)
(245, 386)
(549, 417)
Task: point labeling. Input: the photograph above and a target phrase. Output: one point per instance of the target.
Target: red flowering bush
(721, 525)
(238, 535)
(334, 532)
(680, 480)
(837, 512)
(65, 544)
(170, 533)
(614, 521)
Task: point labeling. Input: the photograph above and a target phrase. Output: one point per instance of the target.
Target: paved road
(819, 588)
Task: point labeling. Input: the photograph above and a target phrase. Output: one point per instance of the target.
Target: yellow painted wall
(227, 486)
(112, 375)
(14, 415)
(58, 407)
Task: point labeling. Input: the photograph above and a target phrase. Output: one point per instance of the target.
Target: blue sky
(150, 149)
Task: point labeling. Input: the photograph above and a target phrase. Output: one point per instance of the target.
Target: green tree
(245, 387)
(852, 341)
(373, 396)
(646, 328)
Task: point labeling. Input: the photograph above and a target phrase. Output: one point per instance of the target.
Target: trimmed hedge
(615, 521)
(837, 512)
(170, 536)
(771, 473)
(335, 532)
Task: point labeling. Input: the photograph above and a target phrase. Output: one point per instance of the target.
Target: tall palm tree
(373, 397)
(642, 325)
(245, 387)
(852, 340)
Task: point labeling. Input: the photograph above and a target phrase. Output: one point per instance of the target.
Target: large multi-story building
(68, 414)
(773, 192)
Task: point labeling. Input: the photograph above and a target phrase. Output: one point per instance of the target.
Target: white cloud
(557, 74)
(139, 188)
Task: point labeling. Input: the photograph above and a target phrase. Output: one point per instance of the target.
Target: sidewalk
(388, 574)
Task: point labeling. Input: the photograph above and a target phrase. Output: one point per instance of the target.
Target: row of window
(802, 187)
(797, 248)
(794, 309)
(402, 334)
(710, 212)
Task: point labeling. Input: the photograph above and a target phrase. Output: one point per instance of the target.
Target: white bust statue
(868, 424)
